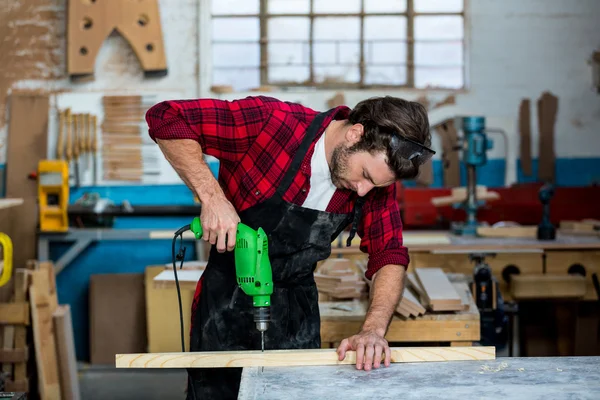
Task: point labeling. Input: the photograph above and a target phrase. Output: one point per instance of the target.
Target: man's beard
(339, 165)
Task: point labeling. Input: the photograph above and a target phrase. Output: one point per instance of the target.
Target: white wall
(516, 49)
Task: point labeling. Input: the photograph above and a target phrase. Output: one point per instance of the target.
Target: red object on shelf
(519, 203)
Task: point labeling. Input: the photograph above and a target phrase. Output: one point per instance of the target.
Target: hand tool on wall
(69, 137)
(60, 140)
(76, 152)
(90, 22)
(252, 268)
(93, 146)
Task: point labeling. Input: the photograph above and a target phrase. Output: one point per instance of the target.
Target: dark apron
(223, 318)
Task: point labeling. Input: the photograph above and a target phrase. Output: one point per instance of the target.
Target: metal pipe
(505, 136)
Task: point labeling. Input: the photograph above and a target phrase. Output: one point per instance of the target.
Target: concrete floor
(106, 382)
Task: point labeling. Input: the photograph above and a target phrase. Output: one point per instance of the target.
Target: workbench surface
(503, 378)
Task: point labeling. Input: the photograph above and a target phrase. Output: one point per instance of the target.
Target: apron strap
(311, 133)
(356, 219)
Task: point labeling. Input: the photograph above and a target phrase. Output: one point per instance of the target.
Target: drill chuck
(262, 317)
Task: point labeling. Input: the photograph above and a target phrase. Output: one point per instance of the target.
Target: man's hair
(383, 117)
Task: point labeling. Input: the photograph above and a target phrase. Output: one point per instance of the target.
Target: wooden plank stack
(340, 278)
(438, 293)
(122, 138)
(35, 306)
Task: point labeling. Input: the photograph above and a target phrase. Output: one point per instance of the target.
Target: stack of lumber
(583, 227)
(35, 306)
(410, 305)
(340, 278)
(122, 138)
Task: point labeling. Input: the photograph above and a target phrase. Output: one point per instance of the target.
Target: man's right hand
(219, 223)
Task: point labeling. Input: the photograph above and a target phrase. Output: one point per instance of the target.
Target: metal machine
(53, 195)
(474, 146)
(252, 268)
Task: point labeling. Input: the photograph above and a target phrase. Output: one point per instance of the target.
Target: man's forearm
(186, 157)
(386, 291)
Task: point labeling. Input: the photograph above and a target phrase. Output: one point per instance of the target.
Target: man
(303, 176)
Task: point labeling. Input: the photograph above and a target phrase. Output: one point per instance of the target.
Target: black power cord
(180, 256)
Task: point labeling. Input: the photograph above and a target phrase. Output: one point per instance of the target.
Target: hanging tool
(252, 269)
(76, 140)
(93, 146)
(7, 261)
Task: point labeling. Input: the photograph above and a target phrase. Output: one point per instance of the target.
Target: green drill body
(252, 268)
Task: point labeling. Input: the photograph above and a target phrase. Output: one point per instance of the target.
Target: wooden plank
(547, 110)
(546, 286)
(439, 292)
(508, 231)
(11, 356)
(43, 304)
(14, 313)
(21, 284)
(525, 136)
(65, 343)
(27, 134)
(284, 358)
(450, 157)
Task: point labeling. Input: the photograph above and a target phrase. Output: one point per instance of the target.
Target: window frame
(410, 14)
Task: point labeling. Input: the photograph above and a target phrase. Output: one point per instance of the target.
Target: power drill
(252, 269)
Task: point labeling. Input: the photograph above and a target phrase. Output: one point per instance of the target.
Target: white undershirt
(321, 188)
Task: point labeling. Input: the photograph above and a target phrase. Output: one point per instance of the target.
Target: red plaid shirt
(255, 140)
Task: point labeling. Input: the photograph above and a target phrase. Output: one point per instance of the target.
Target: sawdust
(487, 368)
(31, 42)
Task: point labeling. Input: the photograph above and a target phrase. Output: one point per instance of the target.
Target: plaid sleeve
(225, 129)
(381, 231)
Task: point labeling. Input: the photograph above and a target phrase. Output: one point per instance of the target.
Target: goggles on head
(409, 149)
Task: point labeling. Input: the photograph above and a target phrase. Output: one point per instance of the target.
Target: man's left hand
(370, 347)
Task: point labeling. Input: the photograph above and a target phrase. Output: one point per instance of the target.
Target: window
(338, 43)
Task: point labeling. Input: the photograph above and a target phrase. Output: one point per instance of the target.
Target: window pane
(439, 53)
(451, 78)
(379, 6)
(288, 53)
(385, 28)
(385, 75)
(235, 54)
(237, 29)
(335, 53)
(385, 53)
(288, 28)
(337, 6)
(438, 6)
(240, 79)
(439, 27)
(289, 74)
(339, 73)
(288, 6)
(336, 28)
(235, 7)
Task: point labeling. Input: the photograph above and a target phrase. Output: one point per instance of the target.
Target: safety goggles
(409, 149)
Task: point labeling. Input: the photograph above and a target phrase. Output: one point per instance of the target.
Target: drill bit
(262, 340)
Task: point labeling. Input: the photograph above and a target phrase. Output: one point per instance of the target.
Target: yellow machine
(53, 195)
(7, 258)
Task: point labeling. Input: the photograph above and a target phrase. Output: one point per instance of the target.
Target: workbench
(503, 378)
(340, 320)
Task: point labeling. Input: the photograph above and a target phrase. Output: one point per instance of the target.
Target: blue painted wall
(134, 256)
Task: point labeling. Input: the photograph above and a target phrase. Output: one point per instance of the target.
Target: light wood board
(439, 292)
(271, 358)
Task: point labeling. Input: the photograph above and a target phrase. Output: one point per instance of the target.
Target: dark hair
(382, 117)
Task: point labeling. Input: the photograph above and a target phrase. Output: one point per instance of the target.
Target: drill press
(475, 145)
